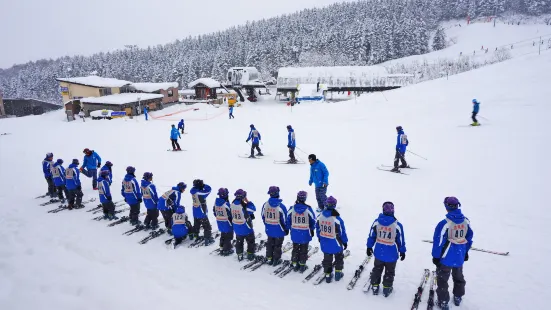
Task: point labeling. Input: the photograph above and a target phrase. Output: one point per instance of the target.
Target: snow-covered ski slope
(498, 171)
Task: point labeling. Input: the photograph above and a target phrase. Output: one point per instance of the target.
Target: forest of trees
(354, 33)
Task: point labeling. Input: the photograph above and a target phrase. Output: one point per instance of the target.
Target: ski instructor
(320, 177)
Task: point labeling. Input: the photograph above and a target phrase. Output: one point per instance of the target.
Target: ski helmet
(108, 164)
(301, 196)
(181, 186)
(198, 183)
(252, 126)
(388, 208)
(451, 203)
(59, 161)
(475, 101)
(180, 210)
(104, 173)
(273, 191)
(289, 127)
(75, 161)
(223, 193)
(49, 155)
(331, 202)
(240, 194)
(87, 151)
(146, 175)
(399, 128)
(130, 170)
(173, 126)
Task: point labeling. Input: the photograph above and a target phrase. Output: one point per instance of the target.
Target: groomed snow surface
(498, 171)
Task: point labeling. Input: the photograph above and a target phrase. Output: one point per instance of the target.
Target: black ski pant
(255, 146)
(51, 187)
(72, 195)
(167, 216)
(400, 157)
(231, 116)
(225, 240)
(60, 190)
(134, 212)
(205, 223)
(152, 217)
(175, 144)
(442, 277)
(328, 263)
(273, 248)
(474, 117)
(300, 253)
(182, 129)
(390, 271)
(292, 153)
(108, 208)
(321, 196)
(251, 246)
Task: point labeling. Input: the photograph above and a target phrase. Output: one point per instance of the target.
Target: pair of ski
(123, 220)
(480, 250)
(219, 250)
(99, 208)
(138, 228)
(428, 277)
(317, 269)
(50, 202)
(264, 260)
(152, 235)
(99, 218)
(255, 157)
(65, 207)
(298, 162)
(385, 168)
(287, 263)
(199, 241)
(291, 267)
(176, 150)
(358, 273)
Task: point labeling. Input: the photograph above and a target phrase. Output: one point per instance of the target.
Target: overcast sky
(36, 29)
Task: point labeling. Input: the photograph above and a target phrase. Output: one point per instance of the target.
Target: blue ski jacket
(199, 198)
(58, 174)
(72, 177)
(222, 212)
(181, 124)
(149, 194)
(242, 217)
(180, 223)
(170, 199)
(331, 232)
(453, 237)
(291, 142)
(301, 221)
(274, 216)
(91, 162)
(110, 179)
(130, 190)
(47, 167)
(104, 189)
(387, 235)
(476, 107)
(174, 133)
(401, 142)
(318, 174)
(254, 135)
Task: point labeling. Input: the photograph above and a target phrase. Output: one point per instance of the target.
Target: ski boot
(177, 242)
(475, 124)
(456, 301)
(395, 169)
(269, 261)
(95, 188)
(169, 231)
(240, 257)
(209, 241)
(375, 289)
(443, 305)
(260, 154)
(250, 256)
(70, 207)
(338, 275)
(80, 206)
(147, 227)
(227, 253)
(62, 200)
(328, 277)
(105, 216)
(404, 166)
(387, 291)
(303, 268)
(252, 156)
(296, 266)
(277, 262)
(112, 217)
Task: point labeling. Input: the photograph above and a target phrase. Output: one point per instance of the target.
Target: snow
(310, 91)
(120, 99)
(210, 83)
(153, 87)
(66, 261)
(95, 81)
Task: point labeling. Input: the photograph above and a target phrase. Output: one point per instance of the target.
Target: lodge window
(170, 93)
(105, 91)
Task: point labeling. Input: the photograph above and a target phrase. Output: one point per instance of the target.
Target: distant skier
(47, 170)
(74, 189)
(222, 211)
(169, 202)
(453, 237)
(319, 176)
(242, 211)
(302, 222)
(476, 108)
(387, 236)
(180, 226)
(333, 240)
(105, 197)
(107, 167)
(58, 175)
(274, 216)
(401, 145)
(231, 112)
(181, 125)
(132, 195)
(150, 199)
(255, 136)
(199, 193)
(291, 144)
(90, 165)
(145, 112)
(174, 135)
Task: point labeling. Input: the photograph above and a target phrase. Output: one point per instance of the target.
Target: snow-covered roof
(153, 87)
(120, 99)
(210, 83)
(348, 71)
(95, 81)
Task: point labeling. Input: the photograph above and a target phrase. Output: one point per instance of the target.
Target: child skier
(199, 193)
(181, 125)
(401, 146)
(476, 108)
(222, 211)
(150, 198)
(387, 236)
(333, 240)
(255, 136)
(302, 222)
(174, 135)
(107, 167)
(105, 197)
(291, 144)
(242, 211)
(453, 237)
(180, 226)
(47, 170)
(274, 216)
(169, 202)
(132, 195)
(74, 189)
(58, 175)
(90, 165)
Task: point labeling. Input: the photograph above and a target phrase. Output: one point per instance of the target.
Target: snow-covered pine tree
(439, 41)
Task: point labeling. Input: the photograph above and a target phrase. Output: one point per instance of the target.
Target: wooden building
(24, 106)
(131, 103)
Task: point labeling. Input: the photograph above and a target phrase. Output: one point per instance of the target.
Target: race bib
(221, 214)
(179, 218)
(238, 217)
(300, 221)
(404, 139)
(457, 233)
(128, 187)
(195, 200)
(101, 190)
(69, 173)
(146, 192)
(386, 234)
(327, 227)
(167, 194)
(271, 214)
(55, 172)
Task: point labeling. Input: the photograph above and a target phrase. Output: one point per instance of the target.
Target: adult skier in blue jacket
(476, 108)
(174, 135)
(452, 240)
(222, 212)
(291, 144)
(72, 183)
(181, 125)
(274, 216)
(105, 196)
(401, 145)
(150, 199)
(180, 226)
(199, 193)
(254, 135)
(387, 236)
(333, 239)
(58, 175)
(90, 166)
(132, 195)
(242, 211)
(108, 166)
(47, 170)
(169, 202)
(302, 222)
(319, 176)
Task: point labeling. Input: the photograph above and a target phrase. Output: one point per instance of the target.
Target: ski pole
(298, 148)
(482, 117)
(417, 155)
